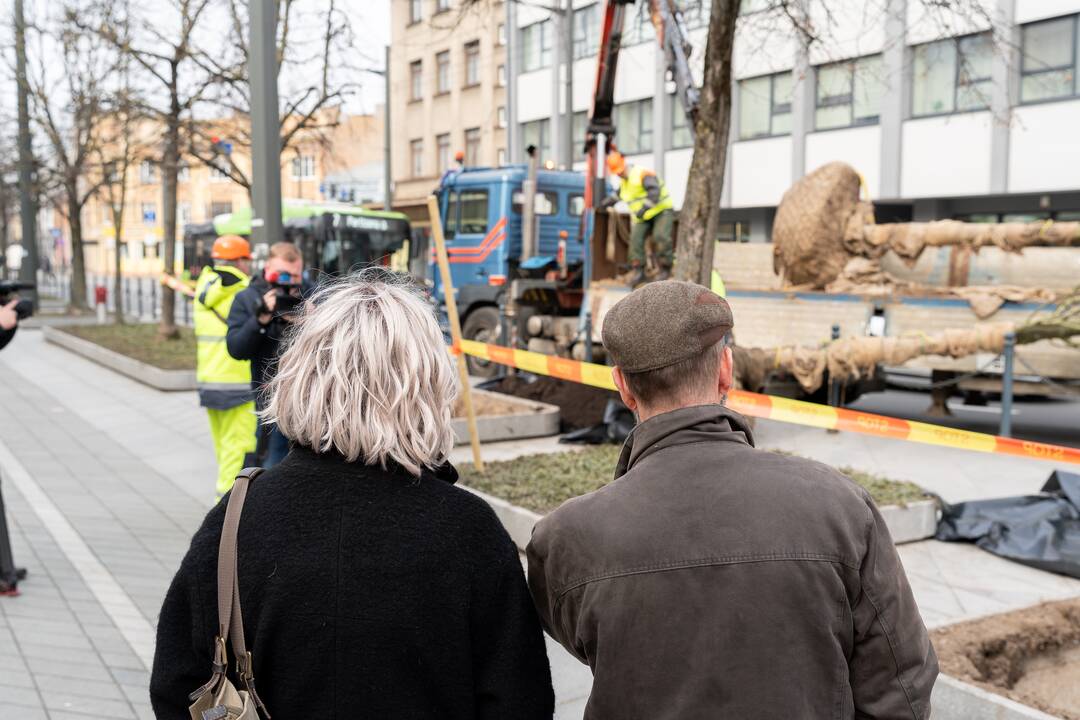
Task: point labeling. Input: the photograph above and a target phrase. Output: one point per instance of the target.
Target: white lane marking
(133, 625)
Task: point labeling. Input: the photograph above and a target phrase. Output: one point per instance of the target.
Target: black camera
(25, 307)
(286, 293)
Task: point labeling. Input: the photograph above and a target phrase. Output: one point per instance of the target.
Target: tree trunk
(118, 281)
(78, 262)
(169, 167)
(699, 219)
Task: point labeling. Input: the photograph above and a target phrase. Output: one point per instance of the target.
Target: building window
(472, 63)
(500, 76)
(752, 6)
(538, 133)
(442, 5)
(500, 154)
(183, 213)
(681, 136)
(634, 121)
(442, 73)
(217, 174)
(183, 171)
(586, 32)
(536, 46)
(416, 158)
(500, 35)
(1051, 53)
(952, 75)
(638, 28)
(416, 11)
(849, 93)
(765, 106)
(147, 172)
(501, 116)
(149, 213)
(303, 167)
(416, 80)
(579, 123)
(442, 152)
(472, 147)
(220, 208)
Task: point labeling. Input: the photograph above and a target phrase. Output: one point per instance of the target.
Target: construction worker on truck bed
(650, 210)
(224, 383)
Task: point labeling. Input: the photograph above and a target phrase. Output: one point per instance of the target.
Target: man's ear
(624, 392)
(726, 381)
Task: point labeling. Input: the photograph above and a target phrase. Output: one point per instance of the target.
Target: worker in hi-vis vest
(224, 383)
(650, 210)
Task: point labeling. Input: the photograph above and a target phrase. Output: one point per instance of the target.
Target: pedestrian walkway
(105, 481)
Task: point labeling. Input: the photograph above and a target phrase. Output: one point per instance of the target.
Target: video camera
(287, 293)
(25, 307)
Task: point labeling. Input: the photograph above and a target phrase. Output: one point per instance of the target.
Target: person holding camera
(258, 319)
(9, 322)
(13, 309)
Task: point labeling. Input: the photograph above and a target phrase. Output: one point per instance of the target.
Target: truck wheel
(482, 325)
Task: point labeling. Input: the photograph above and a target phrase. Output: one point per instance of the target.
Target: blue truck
(500, 284)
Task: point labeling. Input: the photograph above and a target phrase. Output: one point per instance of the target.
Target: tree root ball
(810, 225)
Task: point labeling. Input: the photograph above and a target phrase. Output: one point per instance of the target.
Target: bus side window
(450, 226)
(474, 211)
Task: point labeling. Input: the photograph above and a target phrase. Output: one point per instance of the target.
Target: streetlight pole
(27, 201)
(388, 197)
(266, 226)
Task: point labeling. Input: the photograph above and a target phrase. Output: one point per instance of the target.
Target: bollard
(138, 294)
(834, 386)
(101, 297)
(1007, 385)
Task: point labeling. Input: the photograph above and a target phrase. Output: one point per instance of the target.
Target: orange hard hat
(230, 247)
(616, 163)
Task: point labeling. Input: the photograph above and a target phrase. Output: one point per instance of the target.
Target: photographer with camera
(12, 310)
(258, 319)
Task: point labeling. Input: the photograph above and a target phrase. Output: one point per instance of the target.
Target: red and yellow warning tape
(771, 407)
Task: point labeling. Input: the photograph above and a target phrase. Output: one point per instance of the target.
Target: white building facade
(973, 116)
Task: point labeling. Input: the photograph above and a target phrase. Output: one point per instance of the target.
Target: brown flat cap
(664, 323)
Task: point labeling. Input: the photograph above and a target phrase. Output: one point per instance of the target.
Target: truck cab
(481, 212)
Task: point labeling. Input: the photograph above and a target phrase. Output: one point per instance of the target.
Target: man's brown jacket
(713, 580)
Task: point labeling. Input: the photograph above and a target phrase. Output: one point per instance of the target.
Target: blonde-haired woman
(370, 586)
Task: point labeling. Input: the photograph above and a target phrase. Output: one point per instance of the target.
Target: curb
(916, 521)
(534, 419)
(954, 699)
(155, 377)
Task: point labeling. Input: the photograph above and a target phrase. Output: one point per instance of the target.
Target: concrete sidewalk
(106, 480)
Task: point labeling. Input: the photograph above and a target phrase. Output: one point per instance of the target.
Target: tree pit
(1031, 656)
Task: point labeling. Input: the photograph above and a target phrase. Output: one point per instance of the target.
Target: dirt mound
(1031, 656)
(581, 406)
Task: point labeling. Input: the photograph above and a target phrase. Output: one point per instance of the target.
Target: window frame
(586, 50)
(1074, 55)
(442, 6)
(148, 172)
(473, 139)
(416, 153)
(640, 115)
(853, 122)
(442, 62)
(416, 81)
(544, 27)
(957, 69)
(543, 132)
(472, 61)
(416, 12)
(676, 113)
(442, 142)
(772, 104)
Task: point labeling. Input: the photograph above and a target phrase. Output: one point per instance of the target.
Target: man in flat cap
(713, 580)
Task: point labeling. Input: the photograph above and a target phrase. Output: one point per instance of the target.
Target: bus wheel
(482, 325)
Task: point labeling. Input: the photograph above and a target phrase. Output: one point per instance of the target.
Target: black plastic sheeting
(1042, 531)
(616, 426)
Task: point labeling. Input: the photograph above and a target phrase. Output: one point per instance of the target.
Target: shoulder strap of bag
(230, 619)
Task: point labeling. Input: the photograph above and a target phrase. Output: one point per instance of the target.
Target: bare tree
(163, 51)
(317, 47)
(68, 101)
(118, 149)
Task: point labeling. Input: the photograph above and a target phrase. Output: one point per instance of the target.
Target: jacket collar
(303, 454)
(679, 427)
(230, 270)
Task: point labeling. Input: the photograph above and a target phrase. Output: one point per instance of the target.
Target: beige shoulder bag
(219, 699)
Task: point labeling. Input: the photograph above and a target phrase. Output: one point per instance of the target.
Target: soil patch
(543, 482)
(142, 342)
(581, 406)
(1031, 656)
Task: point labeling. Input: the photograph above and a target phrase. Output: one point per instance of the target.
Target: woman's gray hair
(366, 372)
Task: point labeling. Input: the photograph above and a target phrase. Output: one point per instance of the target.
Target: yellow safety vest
(223, 381)
(633, 193)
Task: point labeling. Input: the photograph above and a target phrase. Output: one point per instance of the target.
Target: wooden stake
(455, 326)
